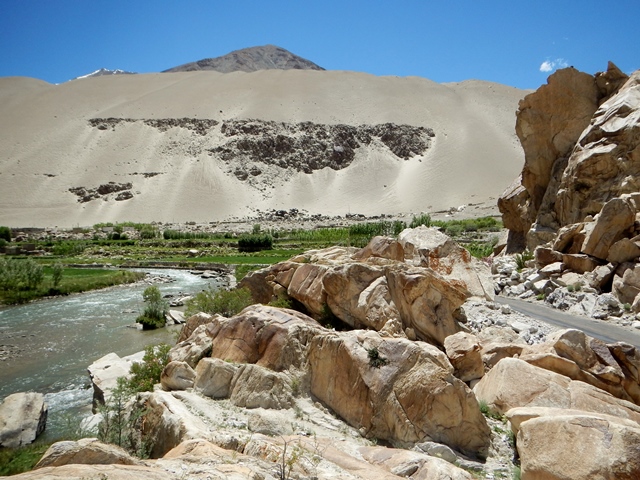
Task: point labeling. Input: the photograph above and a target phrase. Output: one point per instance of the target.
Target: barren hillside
(205, 146)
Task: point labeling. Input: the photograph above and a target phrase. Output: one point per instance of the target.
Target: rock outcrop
(23, 416)
(396, 390)
(580, 137)
(416, 283)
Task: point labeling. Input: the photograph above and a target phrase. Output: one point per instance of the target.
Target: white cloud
(546, 66)
(549, 65)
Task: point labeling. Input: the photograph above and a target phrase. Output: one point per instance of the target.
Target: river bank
(48, 344)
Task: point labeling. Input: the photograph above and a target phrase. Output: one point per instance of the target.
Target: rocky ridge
(250, 60)
(577, 206)
(417, 352)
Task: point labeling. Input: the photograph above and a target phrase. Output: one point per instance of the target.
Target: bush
(18, 274)
(224, 302)
(523, 258)
(147, 373)
(155, 310)
(148, 232)
(5, 233)
(255, 242)
(424, 219)
(56, 274)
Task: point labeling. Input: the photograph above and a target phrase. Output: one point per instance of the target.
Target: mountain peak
(267, 57)
(104, 71)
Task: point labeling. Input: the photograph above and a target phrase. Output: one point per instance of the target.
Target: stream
(47, 345)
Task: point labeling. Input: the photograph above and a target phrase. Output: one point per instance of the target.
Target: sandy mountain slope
(182, 142)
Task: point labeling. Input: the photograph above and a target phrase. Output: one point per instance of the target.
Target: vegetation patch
(224, 302)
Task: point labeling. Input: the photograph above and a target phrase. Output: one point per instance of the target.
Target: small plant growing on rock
(375, 360)
(523, 258)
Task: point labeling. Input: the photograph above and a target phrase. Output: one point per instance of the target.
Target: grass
(74, 280)
(21, 459)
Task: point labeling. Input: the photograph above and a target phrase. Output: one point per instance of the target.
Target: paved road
(596, 328)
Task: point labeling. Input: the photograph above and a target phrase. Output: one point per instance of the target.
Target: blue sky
(517, 42)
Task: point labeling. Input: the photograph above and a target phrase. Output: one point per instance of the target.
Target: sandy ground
(47, 146)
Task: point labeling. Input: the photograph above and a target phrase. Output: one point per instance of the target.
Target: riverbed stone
(23, 416)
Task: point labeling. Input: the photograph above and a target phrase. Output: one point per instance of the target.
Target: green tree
(155, 310)
(57, 272)
(34, 274)
(5, 233)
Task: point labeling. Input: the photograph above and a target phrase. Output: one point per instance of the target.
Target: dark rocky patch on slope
(268, 57)
(306, 147)
(198, 126)
(85, 194)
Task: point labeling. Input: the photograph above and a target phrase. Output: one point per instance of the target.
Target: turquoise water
(54, 341)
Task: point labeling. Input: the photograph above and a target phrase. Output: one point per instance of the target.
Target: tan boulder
(268, 336)
(605, 163)
(549, 122)
(497, 343)
(616, 219)
(426, 301)
(168, 420)
(515, 383)
(464, 352)
(194, 321)
(396, 390)
(358, 294)
(177, 376)
(261, 283)
(623, 250)
(626, 282)
(569, 238)
(576, 355)
(104, 374)
(628, 357)
(83, 472)
(546, 256)
(307, 287)
(578, 446)
(195, 347)
(381, 247)
(579, 263)
(428, 247)
(213, 377)
(87, 451)
(254, 386)
(416, 465)
(600, 276)
(23, 416)
(516, 216)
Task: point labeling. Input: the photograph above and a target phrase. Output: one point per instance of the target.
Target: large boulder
(23, 416)
(576, 355)
(515, 383)
(427, 302)
(194, 321)
(177, 376)
(358, 294)
(428, 247)
(104, 374)
(254, 386)
(464, 352)
(396, 390)
(268, 336)
(579, 135)
(195, 347)
(578, 445)
(213, 377)
(616, 219)
(86, 451)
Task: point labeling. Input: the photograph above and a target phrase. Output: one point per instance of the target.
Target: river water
(50, 343)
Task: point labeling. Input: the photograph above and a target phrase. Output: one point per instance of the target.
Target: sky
(517, 42)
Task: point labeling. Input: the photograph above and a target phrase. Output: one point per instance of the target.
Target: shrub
(5, 233)
(523, 258)
(56, 274)
(375, 360)
(255, 242)
(224, 302)
(423, 219)
(148, 232)
(18, 274)
(147, 373)
(155, 310)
